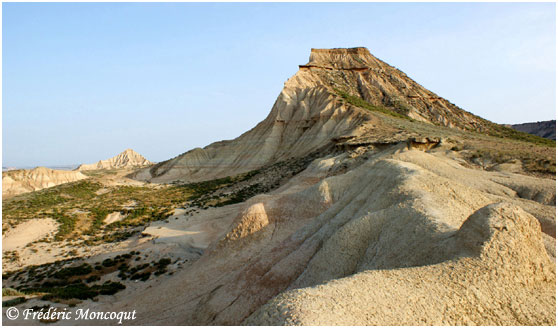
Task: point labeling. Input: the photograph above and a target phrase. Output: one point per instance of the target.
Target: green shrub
(110, 288)
(163, 262)
(79, 291)
(14, 301)
(108, 263)
(73, 271)
(123, 267)
(10, 292)
(359, 102)
(92, 278)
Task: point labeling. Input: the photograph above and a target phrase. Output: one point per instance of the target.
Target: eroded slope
(351, 217)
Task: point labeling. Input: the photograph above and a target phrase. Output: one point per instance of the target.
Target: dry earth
(27, 232)
(399, 213)
(17, 238)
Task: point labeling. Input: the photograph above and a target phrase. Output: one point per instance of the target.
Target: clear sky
(84, 81)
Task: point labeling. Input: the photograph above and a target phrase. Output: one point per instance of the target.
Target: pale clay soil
(405, 237)
(28, 232)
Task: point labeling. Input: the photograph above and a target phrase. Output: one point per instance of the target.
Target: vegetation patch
(99, 215)
(81, 211)
(359, 102)
(14, 301)
(80, 270)
(79, 291)
(10, 292)
(77, 281)
(501, 131)
(161, 266)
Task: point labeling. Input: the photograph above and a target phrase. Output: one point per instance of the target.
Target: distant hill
(54, 167)
(15, 182)
(127, 158)
(545, 129)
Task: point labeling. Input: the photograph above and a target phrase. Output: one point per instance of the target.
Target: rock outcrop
(310, 113)
(21, 181)
(357, 72)
(126, 159)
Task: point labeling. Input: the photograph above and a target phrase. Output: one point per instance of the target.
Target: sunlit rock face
(309, 114)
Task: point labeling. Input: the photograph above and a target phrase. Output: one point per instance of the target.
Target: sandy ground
(193, 231)
(399, 208)
(16, 239)
(113, 217)
(28, 232)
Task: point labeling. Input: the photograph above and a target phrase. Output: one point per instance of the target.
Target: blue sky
(84, 81)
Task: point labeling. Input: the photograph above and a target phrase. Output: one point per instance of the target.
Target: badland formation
(362, 199)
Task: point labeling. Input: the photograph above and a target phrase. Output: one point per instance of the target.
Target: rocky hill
(545, 129)
(320, 104)
(16, 182)
(126, 159)
(407, 196)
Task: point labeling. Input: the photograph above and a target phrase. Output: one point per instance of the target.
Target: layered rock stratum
(16, 182)
(126, 159)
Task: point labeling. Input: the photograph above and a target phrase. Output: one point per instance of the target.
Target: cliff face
(359, 73)
(127, 158)
(545, 129)
(310, 112)
(21, 181)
